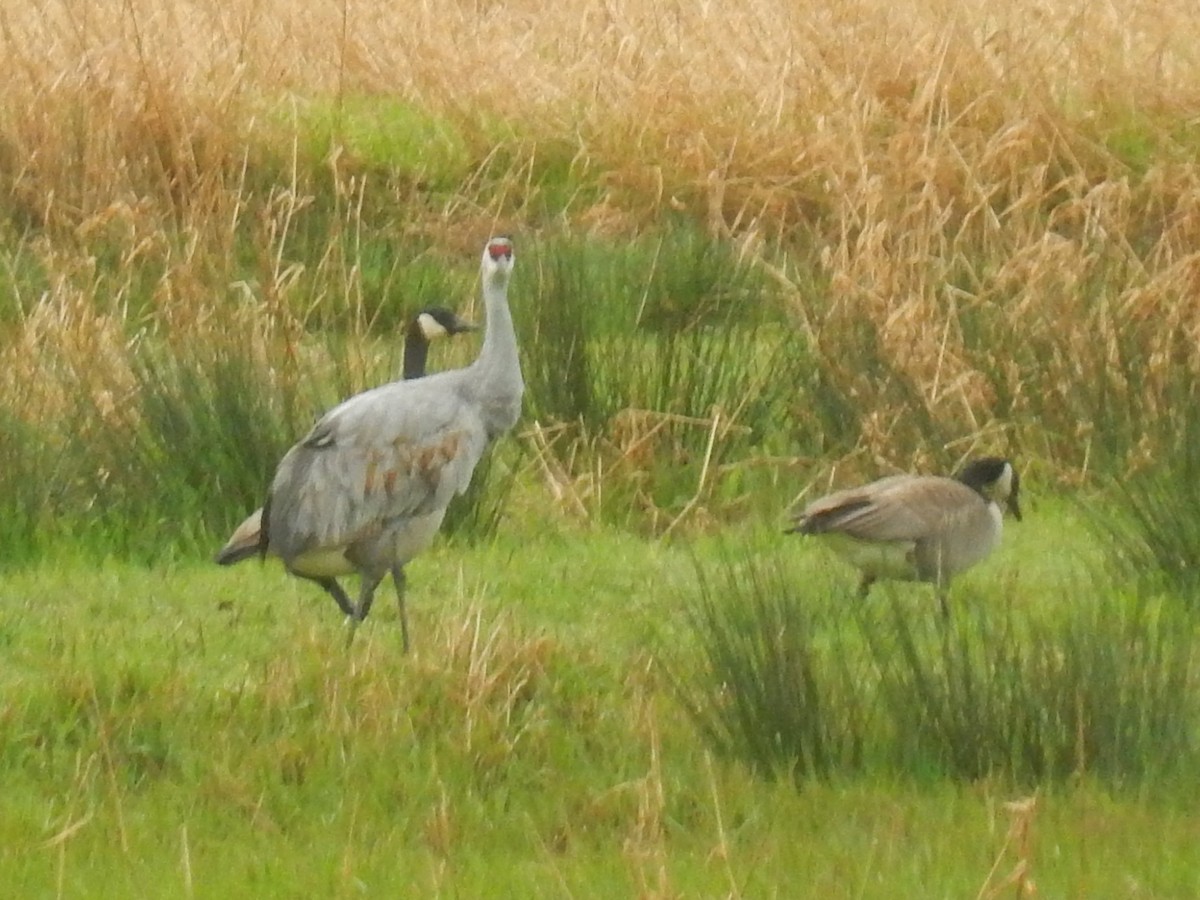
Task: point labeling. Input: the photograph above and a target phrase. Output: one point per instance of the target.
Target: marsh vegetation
(761, 250)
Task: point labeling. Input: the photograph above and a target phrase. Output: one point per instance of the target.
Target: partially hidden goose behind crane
(427, 326)
(917, 527)
(430, 324)
(366, 489)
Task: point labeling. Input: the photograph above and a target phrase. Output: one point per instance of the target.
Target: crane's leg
(366, 594)
(401, 580)
(335, 591)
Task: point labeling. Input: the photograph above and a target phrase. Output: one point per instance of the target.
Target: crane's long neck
(497, 370)
(416, 352)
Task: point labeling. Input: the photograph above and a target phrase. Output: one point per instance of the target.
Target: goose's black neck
(416, 351)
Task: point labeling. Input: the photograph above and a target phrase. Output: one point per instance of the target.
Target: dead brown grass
(756, 115)
(930, 159)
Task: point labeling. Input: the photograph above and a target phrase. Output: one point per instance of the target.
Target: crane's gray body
(429, 324)
(368, 486)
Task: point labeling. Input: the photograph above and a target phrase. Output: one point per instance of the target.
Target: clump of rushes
(1148, 518)
(1106, 691)
(29, 476)
(772, 687)
(790, 679)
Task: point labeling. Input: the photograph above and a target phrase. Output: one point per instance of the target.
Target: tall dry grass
(995, 207)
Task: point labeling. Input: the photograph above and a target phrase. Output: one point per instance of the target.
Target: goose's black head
(434, 322)
(996, 479)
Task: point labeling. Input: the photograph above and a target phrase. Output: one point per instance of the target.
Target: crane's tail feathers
(246, 540)
(231, 554)
(261, 540)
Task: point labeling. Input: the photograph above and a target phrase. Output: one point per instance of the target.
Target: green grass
(385, 135)
(190, 729)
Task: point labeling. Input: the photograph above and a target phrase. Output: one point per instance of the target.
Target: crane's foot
(352, 623)
(366, 595)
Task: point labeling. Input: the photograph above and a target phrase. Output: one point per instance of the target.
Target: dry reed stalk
(722, 850)
(1019, 842)
(568, 491)
(702, 482)
(491, 674)
(66, 341)
(646, 844)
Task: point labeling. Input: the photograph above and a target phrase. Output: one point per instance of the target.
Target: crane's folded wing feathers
(397, 451)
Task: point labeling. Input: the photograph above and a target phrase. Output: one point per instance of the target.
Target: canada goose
(366, 490)
(917, 527)
(428, 325)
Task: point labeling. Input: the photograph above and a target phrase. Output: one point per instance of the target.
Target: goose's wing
(899, 508)
(398, 451)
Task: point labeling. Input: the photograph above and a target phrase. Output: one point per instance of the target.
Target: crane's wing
(899, 508)
(401, 450)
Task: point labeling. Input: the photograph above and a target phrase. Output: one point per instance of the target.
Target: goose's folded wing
(902, 508)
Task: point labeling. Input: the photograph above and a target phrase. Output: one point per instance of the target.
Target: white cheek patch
(1003, 488)
(430, 327)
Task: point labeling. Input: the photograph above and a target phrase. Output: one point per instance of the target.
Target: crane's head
(497, 259)
(437, 321)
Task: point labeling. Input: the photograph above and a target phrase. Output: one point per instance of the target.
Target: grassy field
(194, 731)
(762, 250)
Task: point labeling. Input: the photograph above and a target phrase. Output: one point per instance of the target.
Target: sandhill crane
(430, 324)
(917, 527)
(367, 488)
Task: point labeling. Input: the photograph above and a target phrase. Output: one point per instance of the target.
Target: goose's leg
(864, 586)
